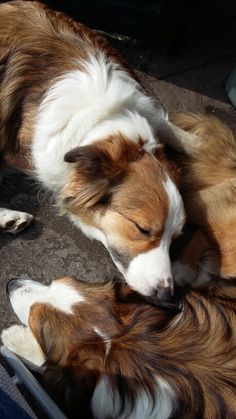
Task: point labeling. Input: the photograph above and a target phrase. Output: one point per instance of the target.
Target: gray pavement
(51, 247)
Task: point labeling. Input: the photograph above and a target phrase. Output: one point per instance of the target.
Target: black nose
(164, 297)
(165, 294)
(12, 285)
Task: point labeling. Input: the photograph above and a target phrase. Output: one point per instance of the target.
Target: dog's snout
(12, 285)
(165, 289)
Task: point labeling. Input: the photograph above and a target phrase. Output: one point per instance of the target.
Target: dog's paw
(19, 339)
(183, 274)
(14, 337)
(14, 221)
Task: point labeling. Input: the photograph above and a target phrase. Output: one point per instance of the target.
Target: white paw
(14, 221)
(19, 339)
(183, 274)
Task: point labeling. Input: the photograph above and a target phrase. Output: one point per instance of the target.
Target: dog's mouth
(173, 303)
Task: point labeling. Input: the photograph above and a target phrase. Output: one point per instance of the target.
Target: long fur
(118, 348)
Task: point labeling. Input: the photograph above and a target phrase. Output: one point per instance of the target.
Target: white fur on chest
(86, 106)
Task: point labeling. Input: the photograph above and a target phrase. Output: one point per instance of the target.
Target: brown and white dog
(105, 347)
(207, 158)
(75, 117)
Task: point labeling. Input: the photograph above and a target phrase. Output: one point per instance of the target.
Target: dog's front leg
(14, 221)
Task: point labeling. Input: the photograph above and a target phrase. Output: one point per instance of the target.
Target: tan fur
(193, 350)
(209, 186)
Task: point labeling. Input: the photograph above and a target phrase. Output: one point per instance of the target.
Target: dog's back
(38, 45)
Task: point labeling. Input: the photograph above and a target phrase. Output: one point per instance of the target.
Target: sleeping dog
(74, 116)
(103, 347)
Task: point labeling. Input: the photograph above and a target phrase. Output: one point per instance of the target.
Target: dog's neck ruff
(88, 105)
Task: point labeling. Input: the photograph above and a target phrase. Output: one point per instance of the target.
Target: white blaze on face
(150, 270)
(26, 293)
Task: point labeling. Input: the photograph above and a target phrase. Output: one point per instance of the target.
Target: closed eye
(143, 231)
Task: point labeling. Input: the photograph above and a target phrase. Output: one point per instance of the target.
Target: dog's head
(70, 321)
(88, 331)
(127, 198)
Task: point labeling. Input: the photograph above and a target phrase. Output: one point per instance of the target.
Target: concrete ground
(191, 78)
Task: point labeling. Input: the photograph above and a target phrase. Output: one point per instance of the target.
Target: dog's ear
(74, 360)
(94, 174)
(44, 324)
(94, 161)
(97, 169)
